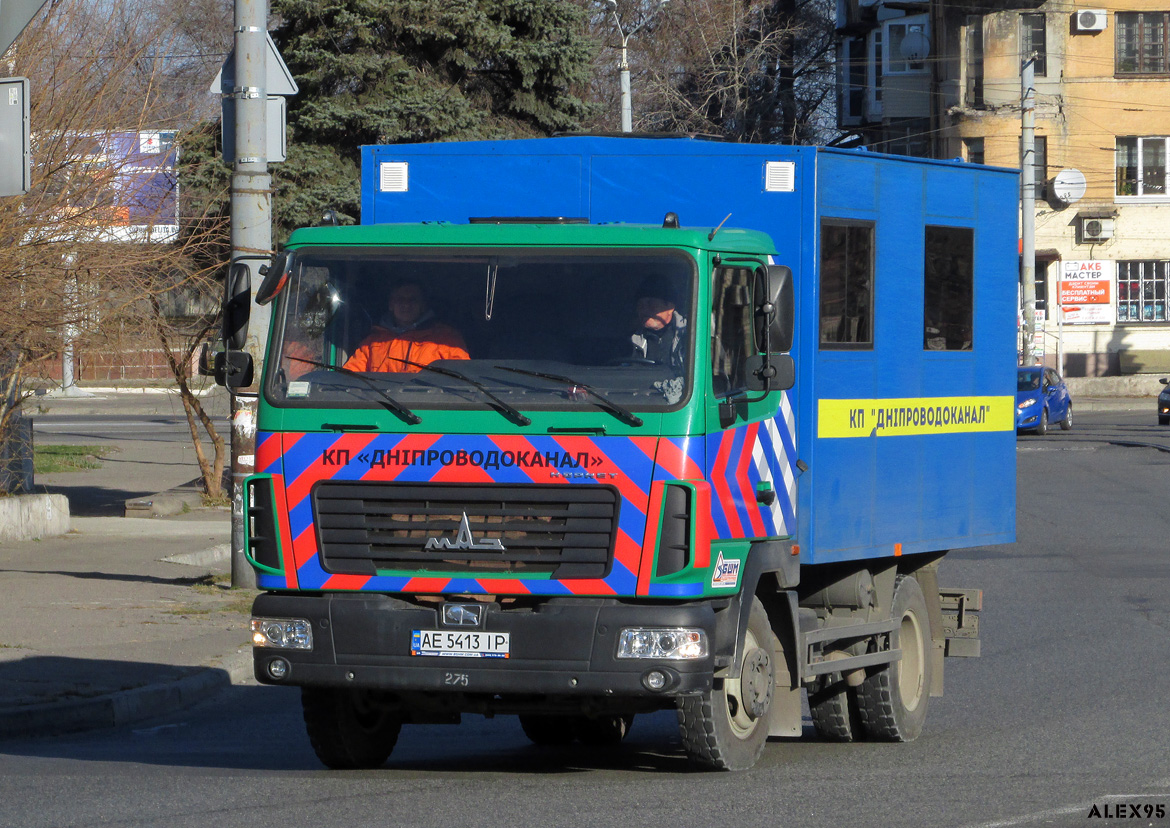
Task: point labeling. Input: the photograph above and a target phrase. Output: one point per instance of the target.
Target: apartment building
(943, 79)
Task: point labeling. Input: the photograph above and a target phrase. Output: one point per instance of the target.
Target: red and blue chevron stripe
(724, 470)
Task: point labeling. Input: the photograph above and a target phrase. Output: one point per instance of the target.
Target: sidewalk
(123, 619)
(120, 620)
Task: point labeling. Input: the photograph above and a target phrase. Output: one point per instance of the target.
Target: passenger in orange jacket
(408, 333)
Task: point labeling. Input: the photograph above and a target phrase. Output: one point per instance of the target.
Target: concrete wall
(25, 517)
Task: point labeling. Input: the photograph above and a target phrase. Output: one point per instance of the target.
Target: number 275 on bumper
(460, 644)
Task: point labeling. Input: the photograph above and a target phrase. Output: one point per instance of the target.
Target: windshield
(1027, 381)
(566, 329)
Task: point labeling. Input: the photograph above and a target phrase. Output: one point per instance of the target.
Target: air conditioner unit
(1090, 20)
(1095, 230)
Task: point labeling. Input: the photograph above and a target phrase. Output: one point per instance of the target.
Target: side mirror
(778, 373)
(233, 369)
(275, 278)
(775, 309)
(237, 301)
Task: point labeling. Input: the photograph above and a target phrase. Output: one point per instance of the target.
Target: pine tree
(392, 71)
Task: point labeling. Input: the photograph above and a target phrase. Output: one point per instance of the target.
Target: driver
(408, 333)
(659, 329)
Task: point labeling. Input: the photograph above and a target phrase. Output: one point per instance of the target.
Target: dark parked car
(1041, 398)
(1164, 403)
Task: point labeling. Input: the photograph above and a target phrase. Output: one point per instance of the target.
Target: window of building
(975, 61)
(906, 136)
(1141, 165)
(875, 75)
(1034, 41)
(949, 289)
(1141, 291)
(974, 150)
(907, 42)
(846, 288)
(1143, 42)
(853, 73)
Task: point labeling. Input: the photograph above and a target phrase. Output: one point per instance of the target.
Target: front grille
(566, 531)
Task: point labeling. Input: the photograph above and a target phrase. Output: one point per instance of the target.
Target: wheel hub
(758, 682)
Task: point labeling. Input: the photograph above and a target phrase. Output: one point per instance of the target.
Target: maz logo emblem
(464, 540)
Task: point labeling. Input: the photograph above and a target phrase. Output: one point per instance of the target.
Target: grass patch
(51, 459)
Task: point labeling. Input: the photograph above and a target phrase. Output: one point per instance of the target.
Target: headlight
(285, 633)
(675, 643)
(1028, 402)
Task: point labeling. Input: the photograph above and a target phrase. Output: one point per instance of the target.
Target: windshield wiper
(398, 408)
(505, 408)
(613, 408)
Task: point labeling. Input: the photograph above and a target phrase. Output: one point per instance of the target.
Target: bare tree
(747, 70)
(82, 252)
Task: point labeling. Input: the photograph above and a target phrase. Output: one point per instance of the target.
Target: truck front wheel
(893, 700)
(349, 729)
(727, 727)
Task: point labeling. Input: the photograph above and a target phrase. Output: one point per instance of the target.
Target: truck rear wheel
(894, 699)
(349, 729)
(548, 730)
(726, 728)
(836, 716)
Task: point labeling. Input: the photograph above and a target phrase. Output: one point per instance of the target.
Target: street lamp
(624, 64)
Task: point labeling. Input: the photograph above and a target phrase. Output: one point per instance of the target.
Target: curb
(127, 706)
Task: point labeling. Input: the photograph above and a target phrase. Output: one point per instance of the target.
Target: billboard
(119, 186)
(1085, 292)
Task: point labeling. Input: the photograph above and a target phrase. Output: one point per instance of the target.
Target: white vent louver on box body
(1090, 20)
(780, 177)
(1096, 229)
(393, 177)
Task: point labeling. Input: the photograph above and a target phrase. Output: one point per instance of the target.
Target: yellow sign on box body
(898, 417)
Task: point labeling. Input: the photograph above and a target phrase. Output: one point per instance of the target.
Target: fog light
(284, 633)
(662, 643)
(654, 680)
(278, 668)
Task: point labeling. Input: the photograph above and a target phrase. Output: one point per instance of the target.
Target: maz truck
(568, 529)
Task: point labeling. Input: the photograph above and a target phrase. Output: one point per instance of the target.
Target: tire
(836, 716)
(1163, 420)
(549, 731)
(1066, 423)
(602, 731)
(892, 701)
(349, 729)
(1042, 426)
(726, 728)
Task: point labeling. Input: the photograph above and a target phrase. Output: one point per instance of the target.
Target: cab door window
(732, 340)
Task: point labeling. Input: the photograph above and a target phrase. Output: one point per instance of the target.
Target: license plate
(460, 643)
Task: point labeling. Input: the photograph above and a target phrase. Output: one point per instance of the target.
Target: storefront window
(1141, 291)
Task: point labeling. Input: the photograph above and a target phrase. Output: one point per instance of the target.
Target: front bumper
(562, 646)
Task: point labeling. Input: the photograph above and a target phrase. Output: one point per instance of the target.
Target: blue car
(1041, 398)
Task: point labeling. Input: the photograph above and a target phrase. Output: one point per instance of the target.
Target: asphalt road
(1065, 712)
(73, 429)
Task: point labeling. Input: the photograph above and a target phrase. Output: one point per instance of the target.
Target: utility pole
(251, 234)
(1028, 206)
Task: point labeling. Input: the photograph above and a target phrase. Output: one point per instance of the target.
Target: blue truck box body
(920, 461)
